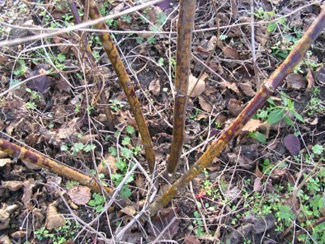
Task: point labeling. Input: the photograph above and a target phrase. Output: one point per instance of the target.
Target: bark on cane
(44, 162)
(257, 102)
(126, 84)
(183, 58)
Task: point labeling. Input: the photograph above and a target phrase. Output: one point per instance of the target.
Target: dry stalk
(46, 163)
(257, 102)
(183, 58)
(126, 84)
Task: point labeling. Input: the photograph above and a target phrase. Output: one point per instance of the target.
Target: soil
(246, 195)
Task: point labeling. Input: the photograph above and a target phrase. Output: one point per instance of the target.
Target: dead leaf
(296, 81)
(129, 210)
(140, 183)
(31, 165)
(258, 172)
(3, 154)
(262, 224)
(86, 138)
(201, 116)
(60, 39)
(210, 90)
(252, 125)
(154, 86)
(4, 219)
(118, 8)
(275, 1)
(292, 143)
(195, 91)
(257, 184)
(230, 85)
(38, 218)
(229, 52)
(245, 162)
(212, 43)
(3, 59)
(205, 105)
(312, 121)
(5, 239)
(4, 161)
(12, 185)
(52, 183)
(109, 162)
(80, 195)
(233, 193)
(247, 89)
(165, 218)
(310, 80)
(240, 234)
(42, 83)
(28, 190)
(320, 75)
(62, 85)
(190, 239)
(19, 234)
(53, 218)
(235, 106)
(65, 131)
(202, 51)
(277, 173)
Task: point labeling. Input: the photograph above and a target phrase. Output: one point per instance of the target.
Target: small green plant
(223, 37)
(193, 115)
(31, 105)
(286, 214)
(34, 95)
(97, 201)
(126, 18)
(268, 15)
(318, 149)
(258, 136)
(22, 68)
(199, 231)
(151, 40)
(78, 147)
(59, 235)
(127, 152)
(274, 113)
(14, 82)
(315, 105)
(59, 61)
(116, 105)
(71, 183)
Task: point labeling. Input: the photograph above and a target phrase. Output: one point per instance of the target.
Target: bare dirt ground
(266, 187)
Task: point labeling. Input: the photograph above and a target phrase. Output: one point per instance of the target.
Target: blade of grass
(125, 82)
(257, 102)
(183, 59)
